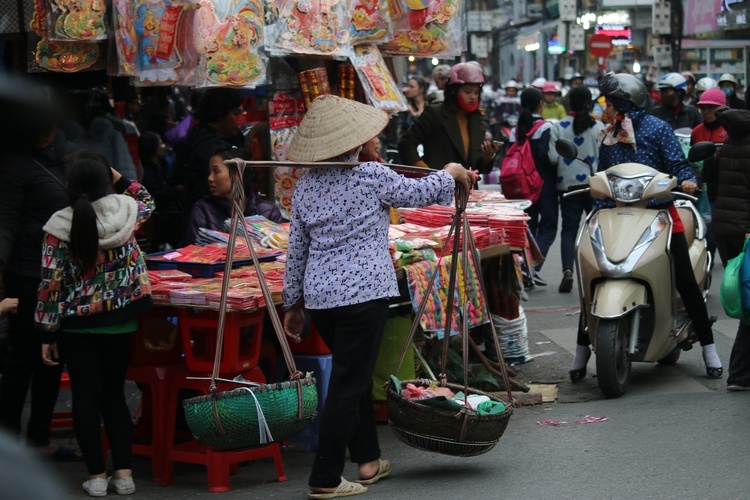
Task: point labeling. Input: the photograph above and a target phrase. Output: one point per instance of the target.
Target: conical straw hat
(334, 125)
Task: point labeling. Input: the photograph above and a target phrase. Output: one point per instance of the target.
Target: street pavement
(673, 435)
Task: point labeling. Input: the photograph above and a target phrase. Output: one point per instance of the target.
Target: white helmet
(705, 83)
(672, 80)
(539, 83)
(511, 84)
(728, 77)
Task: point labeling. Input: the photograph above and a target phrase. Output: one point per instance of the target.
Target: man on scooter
(635, 136)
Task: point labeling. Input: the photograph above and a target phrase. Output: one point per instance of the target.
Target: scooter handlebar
(679, 194)
(577, 189)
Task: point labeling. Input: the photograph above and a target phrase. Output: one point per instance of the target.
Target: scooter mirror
(699, 151)
(566, 149)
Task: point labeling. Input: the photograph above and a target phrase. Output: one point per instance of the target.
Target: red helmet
(466, 73)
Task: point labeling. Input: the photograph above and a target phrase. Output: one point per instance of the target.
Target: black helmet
(625, 87)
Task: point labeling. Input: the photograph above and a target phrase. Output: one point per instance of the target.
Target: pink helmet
(549, 87)
(466, 73)
(714, 97)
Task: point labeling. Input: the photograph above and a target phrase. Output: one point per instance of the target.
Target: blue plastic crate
(194, 269)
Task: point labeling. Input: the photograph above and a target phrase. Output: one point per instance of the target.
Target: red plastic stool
(242, 340)
(62, 419)
(148, 440)
(220, 464)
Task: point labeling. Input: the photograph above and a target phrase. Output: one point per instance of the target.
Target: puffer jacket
(28, 197)
(731, 219)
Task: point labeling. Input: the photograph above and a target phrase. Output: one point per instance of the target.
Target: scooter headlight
(615, 269)
(628, 190)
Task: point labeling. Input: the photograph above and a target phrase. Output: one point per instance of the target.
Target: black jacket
(438, 132)
(731, 218)
(164, 194)
(28, 198)
(735, 102)
(687, 117)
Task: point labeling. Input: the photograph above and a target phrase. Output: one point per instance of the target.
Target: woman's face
(371, 149)
(219, 182)
(709, 112)
(549, 97)
(609, 113)
(469, 93)
(412, 89)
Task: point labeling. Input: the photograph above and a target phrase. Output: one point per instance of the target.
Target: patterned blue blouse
(338, 245)
(657, 147)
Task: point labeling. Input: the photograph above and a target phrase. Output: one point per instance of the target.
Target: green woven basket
(237, 414)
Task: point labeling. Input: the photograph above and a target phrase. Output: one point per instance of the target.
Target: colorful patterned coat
(117, 288)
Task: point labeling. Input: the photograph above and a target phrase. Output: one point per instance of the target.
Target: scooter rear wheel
(612, 360)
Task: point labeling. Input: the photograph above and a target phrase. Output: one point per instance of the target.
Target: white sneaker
(123, 486)
(96, 487)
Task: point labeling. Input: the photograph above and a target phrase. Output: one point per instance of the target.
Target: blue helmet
(672, 80)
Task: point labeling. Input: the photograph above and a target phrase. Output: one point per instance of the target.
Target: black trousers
(353, 333)
(23, 367)
(739, 359)
(688, 289)
(98, 364)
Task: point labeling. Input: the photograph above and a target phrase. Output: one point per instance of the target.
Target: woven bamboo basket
(229, 419)
(439, 431)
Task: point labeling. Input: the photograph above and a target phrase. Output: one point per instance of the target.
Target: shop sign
(700, 16)
(619, 33)
(734, 20)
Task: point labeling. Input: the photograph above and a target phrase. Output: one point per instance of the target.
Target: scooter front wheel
(612, 361)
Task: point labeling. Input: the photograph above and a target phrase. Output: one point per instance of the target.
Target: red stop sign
(600, 45)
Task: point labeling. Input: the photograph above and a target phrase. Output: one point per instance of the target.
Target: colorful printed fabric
(434, 318)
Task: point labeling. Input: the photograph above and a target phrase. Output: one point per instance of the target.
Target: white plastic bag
(513, 337)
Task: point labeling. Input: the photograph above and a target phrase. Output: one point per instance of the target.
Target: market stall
(282, 54)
